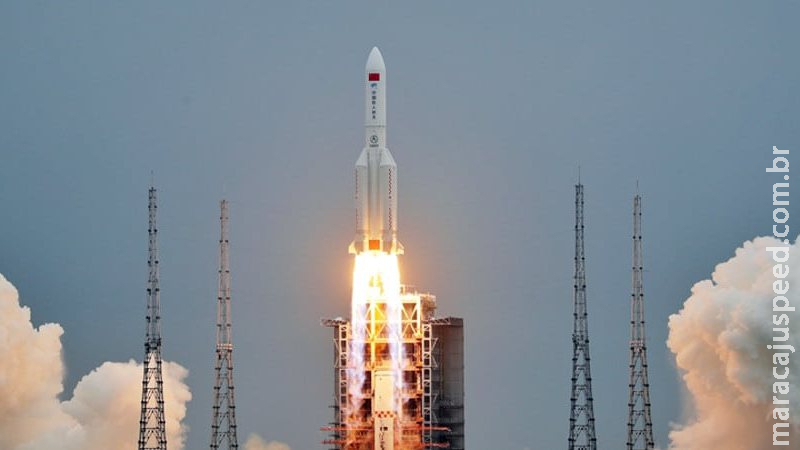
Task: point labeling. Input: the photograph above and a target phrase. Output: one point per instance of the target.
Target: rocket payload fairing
(375, 171)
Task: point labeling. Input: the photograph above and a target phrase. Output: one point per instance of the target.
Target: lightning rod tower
(581, 420)
(640, 423)
(152, 433)
(223, 423)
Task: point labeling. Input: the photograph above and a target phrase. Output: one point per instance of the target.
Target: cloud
(30, 373)
(103, 412)
(720, 340)
(256, 442)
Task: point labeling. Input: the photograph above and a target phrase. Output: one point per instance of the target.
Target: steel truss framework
(152, 429)
(223, 421)
(417, 421)
(640, 422)
(581, 420)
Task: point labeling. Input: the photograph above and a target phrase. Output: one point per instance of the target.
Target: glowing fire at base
(376, 345)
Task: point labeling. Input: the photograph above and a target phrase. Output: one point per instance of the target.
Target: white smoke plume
(720, 340)
(256, 442)
(103, 412)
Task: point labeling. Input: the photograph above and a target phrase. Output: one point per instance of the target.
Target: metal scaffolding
(223, 422)
(640, 422)
(581, 420)
(423, 378)
(152, 433)
(428, 364)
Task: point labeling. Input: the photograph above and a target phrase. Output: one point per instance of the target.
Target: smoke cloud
(720, 340)
(103, 412)
(256, 442)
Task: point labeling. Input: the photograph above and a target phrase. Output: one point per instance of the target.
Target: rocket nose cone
(375, 61)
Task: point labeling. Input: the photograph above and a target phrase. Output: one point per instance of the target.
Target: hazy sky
(492, 106)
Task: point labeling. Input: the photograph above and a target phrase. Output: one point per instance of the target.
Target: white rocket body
(382, 410)
(375, 171)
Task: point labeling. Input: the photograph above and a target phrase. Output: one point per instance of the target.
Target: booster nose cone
(375, 61)
(375, 90)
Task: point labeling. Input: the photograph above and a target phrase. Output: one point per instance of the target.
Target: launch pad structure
(432, 414)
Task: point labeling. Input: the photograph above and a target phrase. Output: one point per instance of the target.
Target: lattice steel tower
(640, 423)
(581, 420)
(223, 423)
(152, 434)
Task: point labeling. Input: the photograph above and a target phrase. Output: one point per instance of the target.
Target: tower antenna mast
(223, 423)
(640, 422)
(581, 420)
(152, 430)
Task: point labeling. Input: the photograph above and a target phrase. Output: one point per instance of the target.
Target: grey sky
(492, 106)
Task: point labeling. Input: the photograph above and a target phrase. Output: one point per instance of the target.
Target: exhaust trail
(720, 338)
(103, 409)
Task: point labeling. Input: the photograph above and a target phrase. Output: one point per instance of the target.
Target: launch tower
(581, 419)
(640, 423)
(223, 421)
(152, 432)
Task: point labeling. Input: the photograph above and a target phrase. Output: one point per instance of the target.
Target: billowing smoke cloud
(103, 412)
(256, 442)
(30, 373)
(720, 340)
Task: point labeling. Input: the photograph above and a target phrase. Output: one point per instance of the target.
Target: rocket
(376, 170)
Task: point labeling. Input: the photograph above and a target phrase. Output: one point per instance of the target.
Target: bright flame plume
(377, 311)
